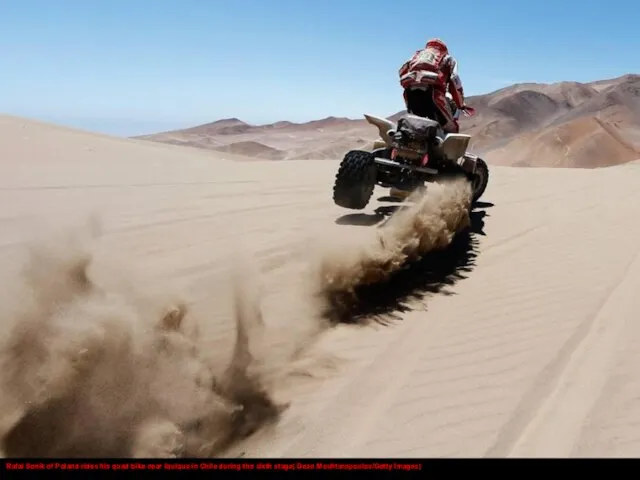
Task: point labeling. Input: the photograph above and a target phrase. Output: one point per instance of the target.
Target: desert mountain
(528, 124)
(326, 138)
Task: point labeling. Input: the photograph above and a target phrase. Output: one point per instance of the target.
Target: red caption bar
(297, 466)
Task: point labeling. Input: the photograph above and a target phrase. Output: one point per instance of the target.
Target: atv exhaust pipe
(415, 168)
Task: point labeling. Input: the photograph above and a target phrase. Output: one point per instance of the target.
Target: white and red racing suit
(426, 78)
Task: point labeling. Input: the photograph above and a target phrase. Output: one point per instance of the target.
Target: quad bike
(407, 154)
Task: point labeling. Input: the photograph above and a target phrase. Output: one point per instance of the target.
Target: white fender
(383, 125)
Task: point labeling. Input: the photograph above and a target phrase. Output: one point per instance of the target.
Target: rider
(426, 79)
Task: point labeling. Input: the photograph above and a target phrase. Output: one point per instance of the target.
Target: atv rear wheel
(355, 180)
(479, 179)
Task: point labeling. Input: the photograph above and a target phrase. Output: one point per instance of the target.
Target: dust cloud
(95, 362)
(373, 257)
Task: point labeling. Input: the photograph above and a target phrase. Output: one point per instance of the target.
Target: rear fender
(383, 125)
(454, 145)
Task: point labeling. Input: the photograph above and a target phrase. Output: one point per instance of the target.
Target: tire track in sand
(569, 386)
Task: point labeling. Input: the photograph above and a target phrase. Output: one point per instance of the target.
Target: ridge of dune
(229, 309)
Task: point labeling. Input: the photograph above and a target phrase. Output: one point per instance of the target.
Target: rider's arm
(455, 85)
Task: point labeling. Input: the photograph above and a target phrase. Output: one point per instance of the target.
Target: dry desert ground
(167, 301)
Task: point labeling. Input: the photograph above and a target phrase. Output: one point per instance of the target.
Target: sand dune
(228, 308)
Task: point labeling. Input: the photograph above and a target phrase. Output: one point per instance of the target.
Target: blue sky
(128, 67)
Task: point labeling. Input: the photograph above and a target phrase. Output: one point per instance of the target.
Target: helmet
(436, 42)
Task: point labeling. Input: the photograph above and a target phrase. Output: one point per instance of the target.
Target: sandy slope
(534, 353)
(586, 142)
